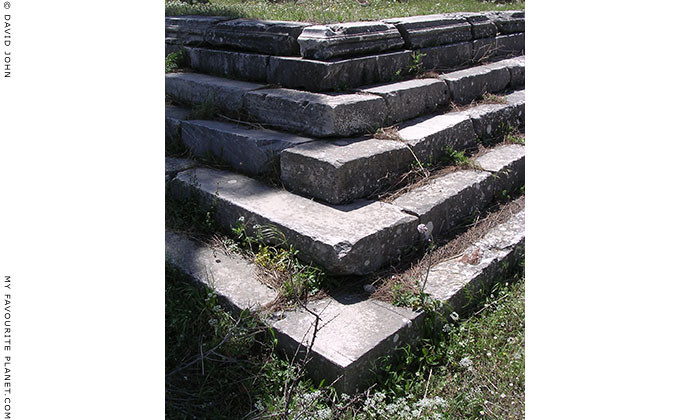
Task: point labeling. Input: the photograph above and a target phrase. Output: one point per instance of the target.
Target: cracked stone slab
(188, 30)
(336, 74)
(492, 121)
(411, 98)
(469, 84)
(482, 26)
(517, 72)
(233, 278)
(508, 22)
(322, 42)
(507, 163)
(448, 199)
(339, 171)
(432, 30)
(317, 114)
(447, 56)
(510, 44)
(198, 89)
(367, 234)
(352, 334)
(457, 280)
(252, 151)
(430, 136)
(264, 36)
(174, 165)
(232, 64)
(173, 116)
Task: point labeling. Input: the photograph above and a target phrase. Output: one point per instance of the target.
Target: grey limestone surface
(508, 22)
(432, 30)
(352, 333)
(507, 163)
(197, 89)
(233, 64)
(365, 235)
(317, 114)
(411, 98)
(510, 44)
(323, 42)
(448, 199)
(233, 278)
(517, 72)
(456, 281)
(336, 74)
(173, 116)
(188, 30)
(430, 136)
(263, 36)
(447, 56)
(492, 120)
(482, 26)
(339, 171)
(252, 151)
(175, 165)
(469, 84)
(483, 49)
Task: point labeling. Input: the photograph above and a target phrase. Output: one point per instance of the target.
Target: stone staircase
(316, 129)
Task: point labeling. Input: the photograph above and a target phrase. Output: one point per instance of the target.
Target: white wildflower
(454, 316)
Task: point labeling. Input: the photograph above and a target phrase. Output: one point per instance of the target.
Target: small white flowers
(454, 316)
(426, 230)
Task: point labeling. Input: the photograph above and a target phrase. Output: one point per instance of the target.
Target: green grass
(330, 11)
(470, 368)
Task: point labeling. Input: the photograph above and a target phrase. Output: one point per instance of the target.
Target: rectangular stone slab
(447, 57)
(317, 114)
(483, 49)
(510, 44)
(482, 26)
(364, 237)
(339, 171)
(198, 89)
(458, 280)
(322, 42)
(449, 199)
(517, 72)
(337, 74)
(232, 277)
(492, 121)
(264, 36)
(470, 84)
(411, 98)
(188, 30)
(252, 151)
(432, 30)
(353, 333)
(429, 137)
(507, 164)
(233, 64)
(173, 116)
(508, 22)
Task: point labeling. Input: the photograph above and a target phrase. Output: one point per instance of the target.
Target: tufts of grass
(332, 11)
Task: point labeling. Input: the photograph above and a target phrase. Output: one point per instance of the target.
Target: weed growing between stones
(174, 61)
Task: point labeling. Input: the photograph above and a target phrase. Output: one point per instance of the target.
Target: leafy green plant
(417, 66)
(174, 61)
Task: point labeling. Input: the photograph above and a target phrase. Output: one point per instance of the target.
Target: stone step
(174, 165)
(323, 42)
(344, 114)
(198, 89)
(353, 330)
(339, 171)
(246, 150)
(447, 200)
(367, 235)
(173, 117)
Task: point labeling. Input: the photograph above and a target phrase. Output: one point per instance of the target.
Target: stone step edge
(340, 171)
(348, 354)
(195, 30)
(352, 246)
(379, 106)
(353, 72)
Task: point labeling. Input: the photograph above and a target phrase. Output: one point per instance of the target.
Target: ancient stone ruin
(338, 113)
